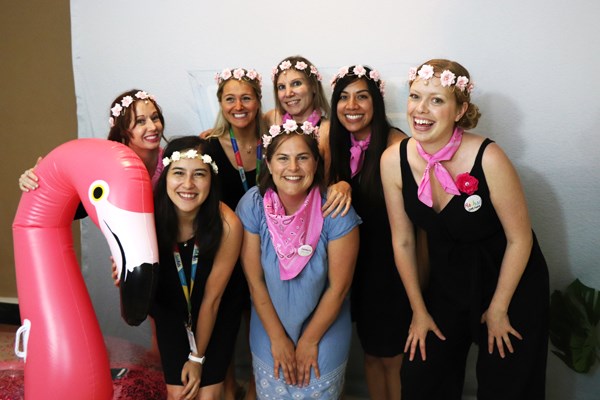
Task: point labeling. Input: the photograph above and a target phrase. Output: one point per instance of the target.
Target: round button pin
(305, 250)
(473, 203)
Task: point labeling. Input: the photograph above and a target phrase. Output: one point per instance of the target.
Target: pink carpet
(142, 381)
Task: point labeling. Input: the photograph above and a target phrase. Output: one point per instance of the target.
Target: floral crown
(290, 126)
(308, 69)
(359, 71)
(447, 78)
(239, 74)
(191, 154)
(126, 101)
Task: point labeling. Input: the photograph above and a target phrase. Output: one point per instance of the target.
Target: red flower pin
(466, 183)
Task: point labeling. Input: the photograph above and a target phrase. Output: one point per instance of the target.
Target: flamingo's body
(65, 353)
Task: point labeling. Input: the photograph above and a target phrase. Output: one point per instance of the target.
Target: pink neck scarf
(313, 118)
(441, 173)
(357, 153)
(294, 237)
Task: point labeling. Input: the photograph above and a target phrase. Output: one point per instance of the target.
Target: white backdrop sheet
(532, 62)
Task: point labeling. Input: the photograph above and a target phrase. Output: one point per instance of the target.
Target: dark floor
(9, 314)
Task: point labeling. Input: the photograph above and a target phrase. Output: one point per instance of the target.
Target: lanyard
(184, 285)
(238, 159)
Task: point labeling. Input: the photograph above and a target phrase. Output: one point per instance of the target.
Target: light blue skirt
(328, 387)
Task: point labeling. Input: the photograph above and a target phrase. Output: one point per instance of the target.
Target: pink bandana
(357, 153)
(441, 173)
(313, 118)
(294, 237)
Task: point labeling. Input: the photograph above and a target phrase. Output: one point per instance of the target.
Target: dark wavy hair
(119, 132)
(208, 225)
(339, 138)
(265, 179)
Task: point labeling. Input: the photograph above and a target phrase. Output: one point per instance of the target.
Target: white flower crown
(290, 126)
(126, 101)
(191, 154)
(300, 66)
(360, 71)
(239, 74)
(447, 78)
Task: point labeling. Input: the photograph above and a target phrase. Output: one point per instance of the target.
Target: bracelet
(199, 360)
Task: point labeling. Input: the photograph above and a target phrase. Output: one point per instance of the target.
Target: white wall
(535, 64)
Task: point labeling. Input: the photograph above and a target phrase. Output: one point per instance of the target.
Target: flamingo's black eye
(98, 191)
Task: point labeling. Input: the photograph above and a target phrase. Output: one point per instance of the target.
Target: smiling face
(188, 185)
(239, 103)
(295, 94)
(432, 112)
(146, 129)
(293, 169)
(355, 108)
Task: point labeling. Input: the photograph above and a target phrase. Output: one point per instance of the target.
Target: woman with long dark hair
(358, 135)
(199, 240)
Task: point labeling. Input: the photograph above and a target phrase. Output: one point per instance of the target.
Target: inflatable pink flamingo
(64, 351)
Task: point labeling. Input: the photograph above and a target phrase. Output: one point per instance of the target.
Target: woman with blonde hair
(488, 280)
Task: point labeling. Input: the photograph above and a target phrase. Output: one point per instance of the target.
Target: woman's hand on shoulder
(115, 273)
(28, 179)
(206, 134)
(339, 199)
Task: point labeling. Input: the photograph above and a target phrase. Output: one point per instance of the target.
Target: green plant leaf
(574, 316)
(583, 350)
(588, 298)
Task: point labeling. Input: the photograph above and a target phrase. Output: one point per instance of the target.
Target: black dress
(232, 191)
(229, 176)
(170, 313)
(380, 307)
(466, 251)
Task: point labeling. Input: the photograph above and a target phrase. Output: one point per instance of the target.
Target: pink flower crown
(308, 69)
(359, 71)
(239, 74)
(290, 126)
(126, 101)
(447, 78)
